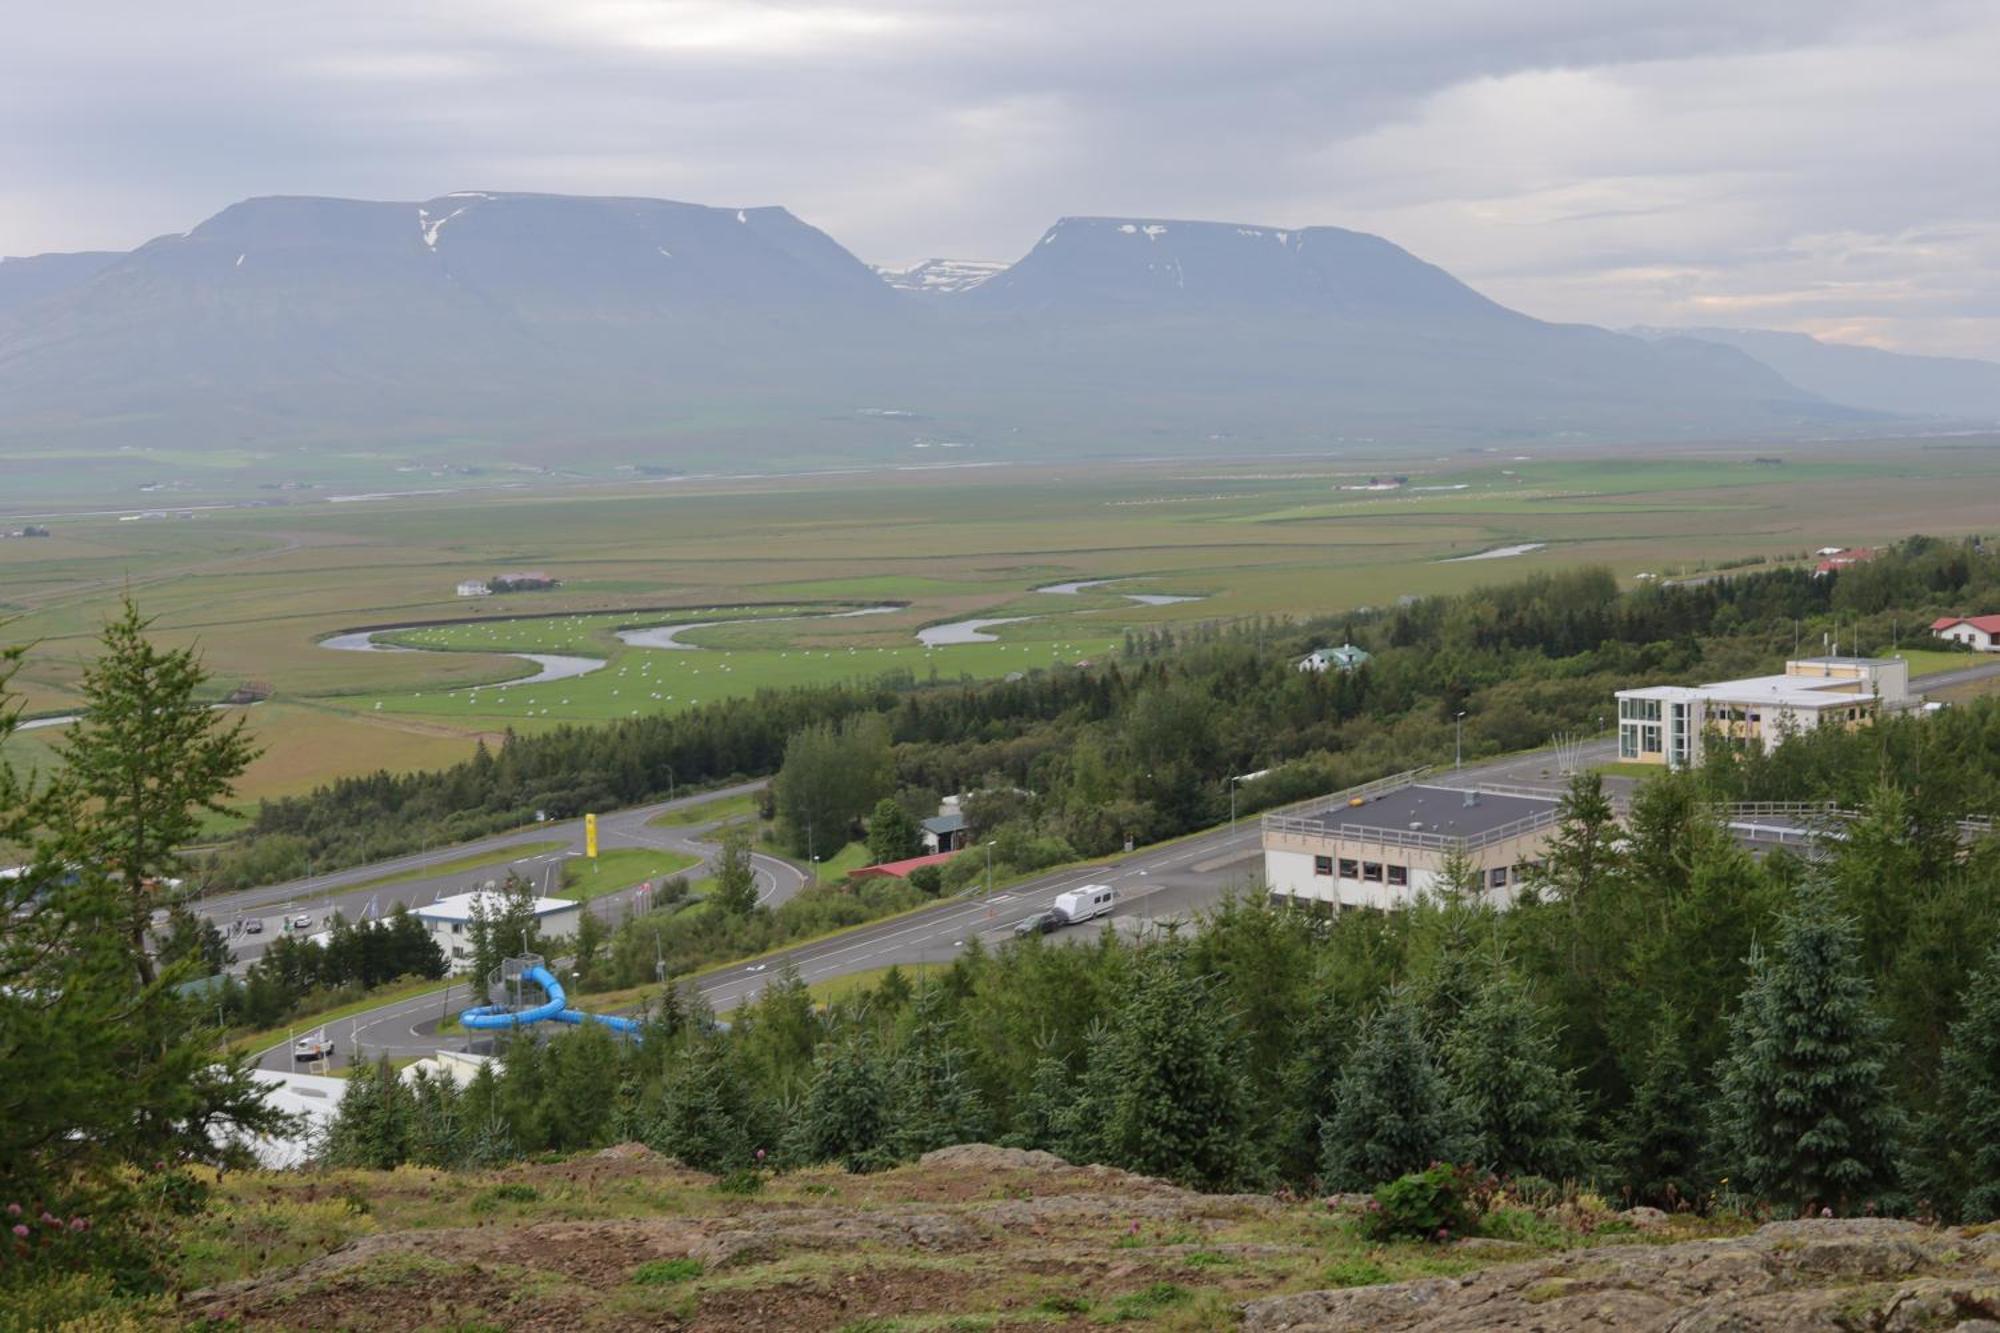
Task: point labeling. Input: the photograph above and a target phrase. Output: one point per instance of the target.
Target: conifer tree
(735, 880)
(152, 759)
(703, 1114)
(1957, 1162)
(1392, 1113)
(438, 1134)
(1517, 1106)
(1180, 1104)
(372, 1127)
(1659, 1135)
(1044, 1110)
(892, 832)
(842, 1117)
(933, 1102)
(1805, 1117)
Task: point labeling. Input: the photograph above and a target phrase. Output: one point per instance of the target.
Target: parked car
(316, 1047)
(1041, 923)
(1082, 904)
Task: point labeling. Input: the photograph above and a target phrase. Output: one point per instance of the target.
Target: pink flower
(13, 1210)
(21, 1230)
(1826, 1212)
(77, 1224)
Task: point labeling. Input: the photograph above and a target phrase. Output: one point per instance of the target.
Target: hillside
(643, 327)
(989, 1238)
(1953, 388)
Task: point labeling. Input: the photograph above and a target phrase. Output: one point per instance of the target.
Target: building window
(1496, 878)
(1349, 869)
(1399, 876)
(1322, 865)
(458, 927)
(1628, 742)
(1650, 740)
(1372, 871)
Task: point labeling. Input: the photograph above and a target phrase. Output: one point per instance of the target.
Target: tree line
(1660, 1016)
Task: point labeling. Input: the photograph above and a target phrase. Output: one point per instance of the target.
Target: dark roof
(1440, 810)
(950, 823)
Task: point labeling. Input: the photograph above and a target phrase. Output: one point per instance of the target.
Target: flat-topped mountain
(663, 327)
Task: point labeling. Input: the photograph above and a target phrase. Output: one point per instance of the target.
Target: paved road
(346, 891)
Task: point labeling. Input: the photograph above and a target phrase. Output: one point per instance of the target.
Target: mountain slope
(24, 281)
(616, 324)
(1958, 388)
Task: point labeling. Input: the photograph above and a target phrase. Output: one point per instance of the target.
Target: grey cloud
(1612, 160)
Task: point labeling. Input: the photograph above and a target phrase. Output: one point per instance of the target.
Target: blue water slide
(554, 1009)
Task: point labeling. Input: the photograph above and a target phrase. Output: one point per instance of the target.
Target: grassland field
(257, 588)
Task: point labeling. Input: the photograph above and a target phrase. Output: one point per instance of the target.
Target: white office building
(1672, 724)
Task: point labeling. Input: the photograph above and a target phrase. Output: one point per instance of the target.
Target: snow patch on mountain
(941, 277)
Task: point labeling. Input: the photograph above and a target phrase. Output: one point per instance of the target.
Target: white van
(1084, 903)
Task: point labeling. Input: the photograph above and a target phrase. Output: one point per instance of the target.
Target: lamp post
(670, 782)
(1232, 802)
(1458, 741)
(989, 869)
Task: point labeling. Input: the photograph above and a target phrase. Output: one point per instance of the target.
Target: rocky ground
(988, 1238)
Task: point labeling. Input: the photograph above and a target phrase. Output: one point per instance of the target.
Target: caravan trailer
(1092, 900)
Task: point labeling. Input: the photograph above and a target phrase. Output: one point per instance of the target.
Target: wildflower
(77, 1224)
(13, 1210)
(21, 1230)
(1826, 1212)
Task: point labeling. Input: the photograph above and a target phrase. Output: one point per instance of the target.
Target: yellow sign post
(590, 836)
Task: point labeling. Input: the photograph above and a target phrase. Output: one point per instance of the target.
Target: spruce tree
(932, 1101)
(703, 1113)
(735, 892)
(1517, 1105)
(1957, 1162)
(1392, 1112)
(372, 1127)
(1181, 1106)
(842, 1117)
(1805, 1116)
(1044, 1110)
(892, 832)
(1659, 1134)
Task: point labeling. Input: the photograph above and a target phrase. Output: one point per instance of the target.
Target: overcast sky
(1825, 165)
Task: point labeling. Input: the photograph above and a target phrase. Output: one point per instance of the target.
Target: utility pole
(1232, 802)
(1458, 741)
(989, 869)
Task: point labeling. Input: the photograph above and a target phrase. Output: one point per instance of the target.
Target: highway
(1169, 881)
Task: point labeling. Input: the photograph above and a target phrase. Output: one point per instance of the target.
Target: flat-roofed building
(1672, 724)
(1385, 846)
(449, 920)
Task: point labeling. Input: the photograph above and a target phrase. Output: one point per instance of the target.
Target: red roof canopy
(902, 869)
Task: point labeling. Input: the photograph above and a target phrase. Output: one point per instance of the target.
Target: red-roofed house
(1979, 632)
(1840, 560)
(902, 869)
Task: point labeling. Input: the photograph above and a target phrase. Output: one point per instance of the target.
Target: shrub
(743, 1180)
(1428, 1205)
(662, 1272)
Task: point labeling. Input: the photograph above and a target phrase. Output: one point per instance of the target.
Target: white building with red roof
(1977, 632)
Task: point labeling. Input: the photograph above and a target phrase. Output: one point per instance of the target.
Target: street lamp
(989, 868)
(670, 782)
(1458, 741)
(1232, 803)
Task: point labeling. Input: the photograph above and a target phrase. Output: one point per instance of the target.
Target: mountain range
(642, 326)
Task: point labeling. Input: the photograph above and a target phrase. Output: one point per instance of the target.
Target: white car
(313, 1048)
(303, 921)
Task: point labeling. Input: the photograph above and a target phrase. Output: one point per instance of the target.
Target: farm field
(258, 588)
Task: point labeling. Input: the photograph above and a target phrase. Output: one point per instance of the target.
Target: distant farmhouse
(1344, 658)
(527, 580)
(31, 530)
(1670, 724)
(1981, 633)
(1833, 559)
(474, 588)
